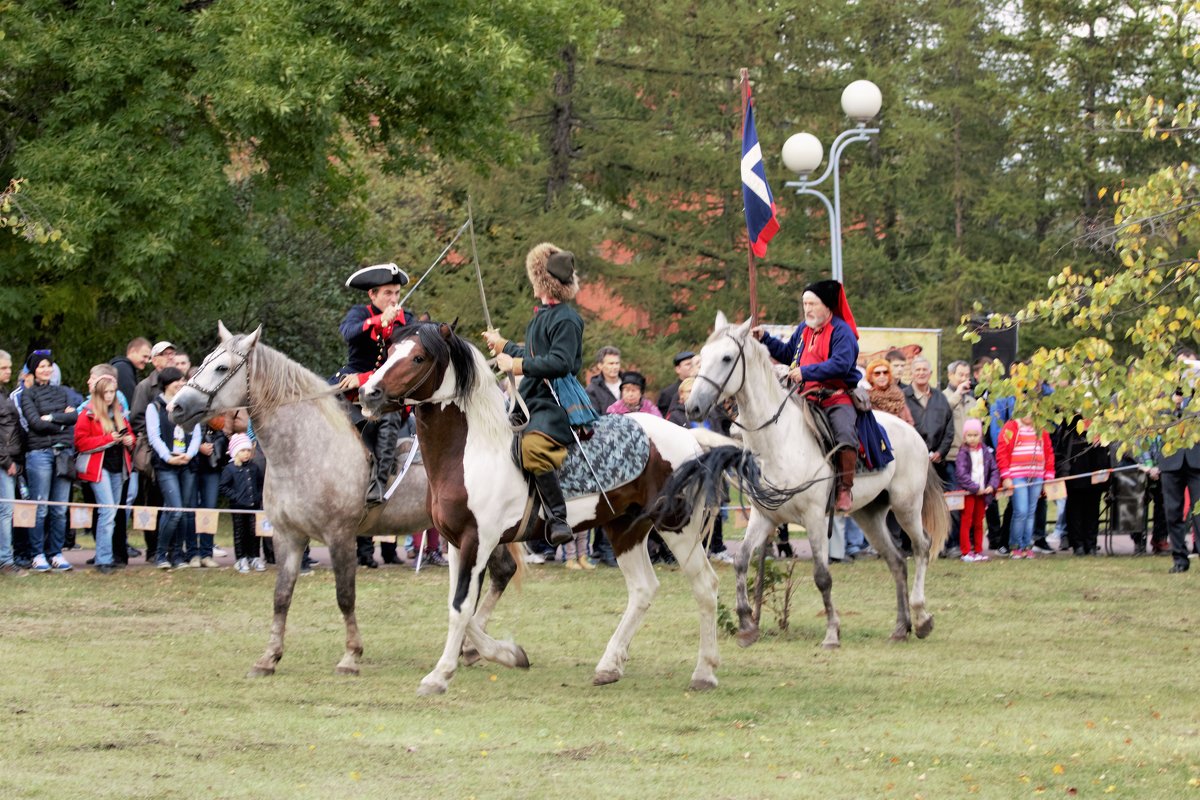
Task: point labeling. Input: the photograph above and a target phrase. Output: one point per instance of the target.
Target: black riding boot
(381, 437)
(557, 530)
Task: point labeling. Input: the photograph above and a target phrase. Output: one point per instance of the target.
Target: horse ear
(721, 321)
(223, 332)
(252, 339)
(744, 328)
(454, 325)
(446, 330)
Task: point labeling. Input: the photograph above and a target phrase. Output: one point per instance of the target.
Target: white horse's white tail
(935, 514)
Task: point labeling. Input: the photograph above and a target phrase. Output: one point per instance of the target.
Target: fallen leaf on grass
(1059, 769)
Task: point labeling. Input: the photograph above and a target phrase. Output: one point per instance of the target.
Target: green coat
(553, 349)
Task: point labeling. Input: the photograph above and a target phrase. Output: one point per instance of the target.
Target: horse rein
(210, 394)
(721, 387)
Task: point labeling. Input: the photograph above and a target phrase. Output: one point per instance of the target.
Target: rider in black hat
(367, 330)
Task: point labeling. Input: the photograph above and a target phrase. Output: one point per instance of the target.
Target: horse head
(416, 369)
(221, 382)
(722, 371)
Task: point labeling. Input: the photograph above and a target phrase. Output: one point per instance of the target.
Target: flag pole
(745, 89)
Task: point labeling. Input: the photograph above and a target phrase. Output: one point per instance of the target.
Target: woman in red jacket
(103, 441)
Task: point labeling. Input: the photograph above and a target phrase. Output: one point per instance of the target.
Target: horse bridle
(210, 394)
(721, 387)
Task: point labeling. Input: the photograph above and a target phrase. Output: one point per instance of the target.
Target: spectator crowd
(113, 444)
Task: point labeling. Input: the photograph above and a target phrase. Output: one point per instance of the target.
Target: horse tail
(935, 514)
(701, 477)
(517, 551)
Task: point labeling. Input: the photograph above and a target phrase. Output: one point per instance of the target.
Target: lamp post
(802, 154)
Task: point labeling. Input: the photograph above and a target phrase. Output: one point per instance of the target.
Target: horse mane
(475, 388)
(279, 381)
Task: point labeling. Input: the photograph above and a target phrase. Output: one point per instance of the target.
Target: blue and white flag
(761, 222)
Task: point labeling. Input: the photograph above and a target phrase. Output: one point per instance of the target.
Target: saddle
(615, 454)
(874, 446)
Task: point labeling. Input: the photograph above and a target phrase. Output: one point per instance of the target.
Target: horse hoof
(924, 628)
(345, 669)
(747, 637)
(260, 672)
(606, 677)
(522, 660)
(702, 684)
(897, 638)
(831, 645)
(427, 690)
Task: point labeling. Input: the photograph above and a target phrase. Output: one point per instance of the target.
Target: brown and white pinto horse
(477, 497)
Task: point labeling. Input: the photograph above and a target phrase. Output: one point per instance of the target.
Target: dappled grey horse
(316, 476)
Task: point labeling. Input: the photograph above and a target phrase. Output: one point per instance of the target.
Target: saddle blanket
(618, 452)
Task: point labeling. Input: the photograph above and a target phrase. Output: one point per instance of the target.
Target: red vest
(814, 348)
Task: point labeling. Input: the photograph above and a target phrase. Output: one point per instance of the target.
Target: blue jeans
(207, 486)
(108, 493)
(855, 540)
(178, 486)
(48, 533)
(1026, 492)
(8, 492)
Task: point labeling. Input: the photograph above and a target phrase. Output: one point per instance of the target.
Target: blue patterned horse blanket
(618, 452)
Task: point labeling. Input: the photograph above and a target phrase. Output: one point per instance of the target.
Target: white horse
(478, 497)
(791, 476)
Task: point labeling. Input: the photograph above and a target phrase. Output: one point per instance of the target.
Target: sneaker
(242, 565)
(105, 569)
(181, 565)
(195, 562)
(133, 552)
(12, 570)
(436, 559)
(1029, 552)
(530, 558)
(1002, 550)
(219, 553)
(1042, 549)
(305, 569)
(724, 557)
(163, 564)
(61, 564)
(40, 564)
(1015, 554)
(968, 558)
(209, 562)
(258, 565)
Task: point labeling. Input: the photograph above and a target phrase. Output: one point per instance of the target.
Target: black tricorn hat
(376, 276)
(635, 378)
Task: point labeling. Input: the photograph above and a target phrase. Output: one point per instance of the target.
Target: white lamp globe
(861, 101)
(802, 153)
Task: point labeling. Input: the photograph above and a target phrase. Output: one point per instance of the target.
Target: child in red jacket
(1026, 460)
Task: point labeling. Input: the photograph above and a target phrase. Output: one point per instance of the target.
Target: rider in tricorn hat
(553, 349)
(367, 330)
(823, 356)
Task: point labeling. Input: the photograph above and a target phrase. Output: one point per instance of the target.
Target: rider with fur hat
(553, 349)
(367, 330)
(822, 355)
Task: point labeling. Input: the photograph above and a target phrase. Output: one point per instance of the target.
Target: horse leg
(508, 654)
(758, 532)
(873, 520)
(344, 558)
(288, 551)
(688, 547)
(438, 680)
(501, 569)
(910, 520)
(817, 526)
(642, 584)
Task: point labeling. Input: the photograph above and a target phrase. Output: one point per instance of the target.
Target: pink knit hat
(239, 441)
(973, 425)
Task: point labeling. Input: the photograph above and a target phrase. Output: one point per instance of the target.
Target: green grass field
(1058, 677)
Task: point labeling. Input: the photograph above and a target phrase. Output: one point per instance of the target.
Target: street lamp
(802, 154)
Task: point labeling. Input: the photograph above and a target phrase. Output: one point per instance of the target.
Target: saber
(408, 462)
(487, 316)
(436, 261)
